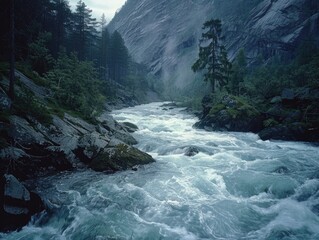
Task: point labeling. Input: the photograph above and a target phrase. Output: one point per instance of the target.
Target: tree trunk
(12, 52)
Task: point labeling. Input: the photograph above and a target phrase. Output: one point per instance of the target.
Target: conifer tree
(84, 31)
(212, 55)
(119, 58)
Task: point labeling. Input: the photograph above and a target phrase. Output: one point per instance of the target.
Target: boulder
(119, 157)
(33, 161)
(130, 127)
(23, 133)
(290, 132)
(17, 204)
(191, 151)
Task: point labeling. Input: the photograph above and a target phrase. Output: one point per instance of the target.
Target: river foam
(235, 187)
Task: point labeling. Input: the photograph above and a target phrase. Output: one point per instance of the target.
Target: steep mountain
(164, 34)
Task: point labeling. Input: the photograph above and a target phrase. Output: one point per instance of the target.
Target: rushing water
(236, 187)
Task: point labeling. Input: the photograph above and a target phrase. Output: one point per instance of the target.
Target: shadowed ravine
(235, 187)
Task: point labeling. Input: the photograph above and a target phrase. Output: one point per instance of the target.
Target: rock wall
(164, 34)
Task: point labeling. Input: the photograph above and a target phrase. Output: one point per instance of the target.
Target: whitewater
(203, 185)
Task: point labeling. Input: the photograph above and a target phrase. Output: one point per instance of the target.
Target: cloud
(108, 7)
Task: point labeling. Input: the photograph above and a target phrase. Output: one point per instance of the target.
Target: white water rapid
(236, 187)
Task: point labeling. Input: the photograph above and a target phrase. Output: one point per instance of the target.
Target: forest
(69, 52)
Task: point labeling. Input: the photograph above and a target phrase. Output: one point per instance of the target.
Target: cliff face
(164, 34)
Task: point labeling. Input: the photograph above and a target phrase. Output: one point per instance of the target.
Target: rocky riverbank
(292, 116)
(31, 148)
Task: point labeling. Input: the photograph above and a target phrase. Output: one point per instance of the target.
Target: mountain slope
(164, 34)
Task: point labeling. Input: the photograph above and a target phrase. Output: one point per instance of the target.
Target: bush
(26, 104)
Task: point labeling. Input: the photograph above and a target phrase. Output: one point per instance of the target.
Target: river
(236, 187)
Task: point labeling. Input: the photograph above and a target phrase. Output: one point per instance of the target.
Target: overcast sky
(108, 7)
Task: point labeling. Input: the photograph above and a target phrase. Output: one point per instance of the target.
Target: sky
(108, 7)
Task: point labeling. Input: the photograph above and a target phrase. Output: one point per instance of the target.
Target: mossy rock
(216, 108)
(232, 114)
(120, 157)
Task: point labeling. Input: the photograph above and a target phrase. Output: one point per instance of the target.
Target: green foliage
(216, 108)
(194, 103)
(27, 70)
(84, 31)
(40, 57)
(76, 86)
(239, 70)
(118, 61)
(26, 105)
(270, 122)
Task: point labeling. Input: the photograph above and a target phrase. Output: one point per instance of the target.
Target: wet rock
(17, 204)
(33, 161)
(116, 130)
(130, 127)
(290, 132)
(120, 157)
(191, 151)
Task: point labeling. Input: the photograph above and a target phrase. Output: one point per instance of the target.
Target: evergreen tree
(41, 59)
(119, 58)
(104, 48)
(84, 31)
(62, 19)
(212, 55)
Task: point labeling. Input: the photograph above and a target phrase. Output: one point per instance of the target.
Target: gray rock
(263, 28)
(23, 133)
(130, 127)
(14, 189)
(191, 151)
(17, 204)
(120, 157)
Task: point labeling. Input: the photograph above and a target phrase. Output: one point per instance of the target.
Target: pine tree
(119, 58)
(62, 20)
(84, 31)
(104, 48)
(212, 55)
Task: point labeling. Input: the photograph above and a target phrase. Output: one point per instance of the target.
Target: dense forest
(70, 52)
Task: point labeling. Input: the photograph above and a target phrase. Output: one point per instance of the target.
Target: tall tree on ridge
(84, 30)
(62, 15)
(212, 55)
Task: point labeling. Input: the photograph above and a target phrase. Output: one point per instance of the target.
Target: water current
(236, 187)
